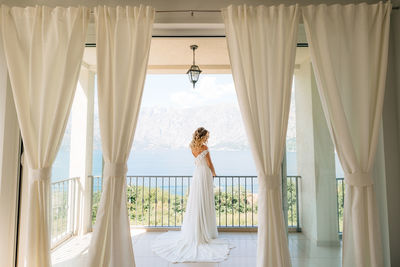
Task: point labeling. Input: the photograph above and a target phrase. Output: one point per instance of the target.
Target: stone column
(82, 151)
(315, 162)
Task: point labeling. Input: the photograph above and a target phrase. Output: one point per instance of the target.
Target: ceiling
(173, 55)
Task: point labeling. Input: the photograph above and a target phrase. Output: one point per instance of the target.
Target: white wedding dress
(197, 241)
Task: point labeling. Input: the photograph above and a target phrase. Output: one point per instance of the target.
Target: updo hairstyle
(200, 137)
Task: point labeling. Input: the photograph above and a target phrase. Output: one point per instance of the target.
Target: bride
(197, 241)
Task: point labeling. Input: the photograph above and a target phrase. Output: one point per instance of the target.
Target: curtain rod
(213, 11)
(191, 36)
(181, 11)
(192, 11)
(188, 10)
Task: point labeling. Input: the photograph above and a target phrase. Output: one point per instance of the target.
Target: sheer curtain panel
(349, 47)
(262, 46)
(43, 48)
(123, 44)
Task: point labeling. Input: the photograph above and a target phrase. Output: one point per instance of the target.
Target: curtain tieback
(358, 178)
(114, 169)
(40, 174)
(272, 181)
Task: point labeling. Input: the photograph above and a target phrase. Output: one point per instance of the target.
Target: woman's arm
(209, 163)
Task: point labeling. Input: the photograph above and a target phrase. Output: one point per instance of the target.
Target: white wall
(82, 148)
(315, 161)
(304, 148)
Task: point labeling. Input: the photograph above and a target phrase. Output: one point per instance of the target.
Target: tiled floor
(303, 252)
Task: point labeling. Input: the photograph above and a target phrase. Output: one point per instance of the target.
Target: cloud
(207, 92)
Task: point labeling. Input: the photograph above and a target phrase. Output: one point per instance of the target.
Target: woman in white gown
(197, 241)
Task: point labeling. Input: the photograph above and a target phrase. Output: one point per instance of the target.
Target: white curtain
(349, 46)
(43, 48)
(123, 44)
(262, 44)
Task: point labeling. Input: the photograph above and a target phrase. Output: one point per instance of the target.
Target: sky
(175, 90)
(167, 90)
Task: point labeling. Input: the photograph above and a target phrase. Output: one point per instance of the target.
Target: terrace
(156, 203)
(312, 195)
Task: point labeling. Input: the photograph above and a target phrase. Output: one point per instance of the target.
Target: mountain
(172, 128)
(163, 129)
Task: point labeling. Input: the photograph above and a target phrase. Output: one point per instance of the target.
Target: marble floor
(303, 252)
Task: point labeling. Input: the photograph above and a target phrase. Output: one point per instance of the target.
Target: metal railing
(340, 202)
(293, 217)
(63, 197)
(160, 201)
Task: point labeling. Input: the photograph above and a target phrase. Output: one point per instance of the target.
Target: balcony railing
(293, 202)
(63, 196)
(160, 201)
(340, 202)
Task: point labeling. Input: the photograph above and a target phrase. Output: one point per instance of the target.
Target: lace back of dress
(200, 156)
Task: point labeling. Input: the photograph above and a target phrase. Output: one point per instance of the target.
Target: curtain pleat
(43, 48)
(123, 45)
(349, 47)
(262, 45)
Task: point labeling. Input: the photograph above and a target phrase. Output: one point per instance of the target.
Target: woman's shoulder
(199, 151)
(204, 150)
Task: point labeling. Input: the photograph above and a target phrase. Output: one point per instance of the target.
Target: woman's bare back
(197, 152)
